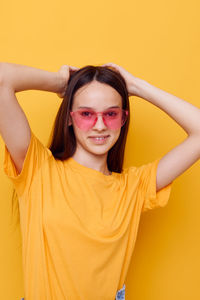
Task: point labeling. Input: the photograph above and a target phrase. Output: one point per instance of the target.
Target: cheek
(117, 134)
(79, 134)
(114, 137)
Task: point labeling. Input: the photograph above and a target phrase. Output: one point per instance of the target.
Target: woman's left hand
(131, 81)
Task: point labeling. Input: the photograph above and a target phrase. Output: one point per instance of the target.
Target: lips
(98, 136)
(99, 140)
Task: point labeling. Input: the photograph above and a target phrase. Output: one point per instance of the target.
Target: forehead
(97, 95)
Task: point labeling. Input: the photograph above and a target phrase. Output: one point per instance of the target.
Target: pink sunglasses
(113, 118)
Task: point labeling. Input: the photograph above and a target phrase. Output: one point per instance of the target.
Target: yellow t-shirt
(78, 225)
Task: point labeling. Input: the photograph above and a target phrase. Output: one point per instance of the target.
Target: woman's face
(99, 97)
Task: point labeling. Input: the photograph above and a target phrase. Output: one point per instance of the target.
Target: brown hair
(63, 144)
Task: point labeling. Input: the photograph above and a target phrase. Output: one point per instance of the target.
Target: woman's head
(97, 88)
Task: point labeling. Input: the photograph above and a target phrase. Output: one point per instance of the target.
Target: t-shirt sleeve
(147, 187)
(36, 155)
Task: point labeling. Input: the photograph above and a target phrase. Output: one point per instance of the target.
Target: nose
(99, 123)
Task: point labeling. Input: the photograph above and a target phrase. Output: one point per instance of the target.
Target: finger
(104, 65)
(110, 64)
(64, 66)
(114, 66)
(67, 67)
(74, 68)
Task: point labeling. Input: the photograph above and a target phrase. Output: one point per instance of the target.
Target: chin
(97, 148)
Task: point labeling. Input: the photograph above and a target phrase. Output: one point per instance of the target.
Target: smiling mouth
(99, 136)
(99, 139)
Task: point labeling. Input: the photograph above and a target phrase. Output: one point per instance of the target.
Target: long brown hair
(63, 140)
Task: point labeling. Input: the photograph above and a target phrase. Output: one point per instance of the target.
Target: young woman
(79, 209)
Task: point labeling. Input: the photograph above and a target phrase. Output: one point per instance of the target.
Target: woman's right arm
(14, 126)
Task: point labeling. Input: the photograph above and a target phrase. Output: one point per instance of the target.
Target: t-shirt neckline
(89, 171)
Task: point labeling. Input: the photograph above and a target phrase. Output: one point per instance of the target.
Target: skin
(100, 97)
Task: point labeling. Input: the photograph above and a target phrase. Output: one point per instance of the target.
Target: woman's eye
(86, 113)
(112, 113)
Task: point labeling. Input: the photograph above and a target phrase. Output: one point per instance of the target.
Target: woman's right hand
(64, 74)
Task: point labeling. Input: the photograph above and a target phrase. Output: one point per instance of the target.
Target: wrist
(61, 84)
(139, 87)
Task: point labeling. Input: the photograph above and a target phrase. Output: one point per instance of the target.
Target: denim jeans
(119, 296)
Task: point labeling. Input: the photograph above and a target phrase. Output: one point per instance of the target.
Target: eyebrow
(93, 107)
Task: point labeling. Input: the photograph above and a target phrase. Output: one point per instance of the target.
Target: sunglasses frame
(99, 113)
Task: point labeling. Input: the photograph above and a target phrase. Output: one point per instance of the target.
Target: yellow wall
(157, 41)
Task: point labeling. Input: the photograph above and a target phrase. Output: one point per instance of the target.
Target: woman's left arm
(183, 156)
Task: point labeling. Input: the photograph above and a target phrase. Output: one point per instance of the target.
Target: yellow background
(158, 41)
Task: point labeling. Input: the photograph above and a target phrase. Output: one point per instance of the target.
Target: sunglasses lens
(113, 118)
(84, 119)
